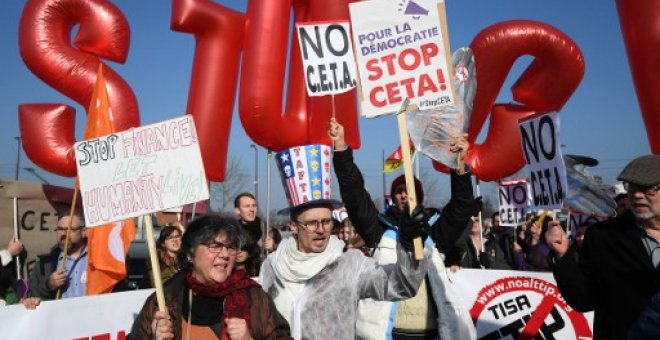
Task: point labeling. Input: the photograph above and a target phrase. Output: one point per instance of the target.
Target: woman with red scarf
(208, 299)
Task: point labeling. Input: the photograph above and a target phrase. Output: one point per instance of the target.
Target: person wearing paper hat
(616, 273)
(315, 285)
(436, 312)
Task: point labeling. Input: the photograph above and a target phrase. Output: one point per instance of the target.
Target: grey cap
(642, 171)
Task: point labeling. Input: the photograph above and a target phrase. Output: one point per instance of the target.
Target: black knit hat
(401, 180)
(642, 171)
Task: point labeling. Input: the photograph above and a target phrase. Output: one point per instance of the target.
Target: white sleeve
(5, 256)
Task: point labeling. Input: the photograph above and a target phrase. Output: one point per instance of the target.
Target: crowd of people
(349, 271)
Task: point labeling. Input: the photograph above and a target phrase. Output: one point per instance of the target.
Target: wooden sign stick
(65, 251)
(410, 180)
(155, 266)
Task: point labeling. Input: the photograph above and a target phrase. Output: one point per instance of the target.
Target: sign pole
(68, 234)
(481, 225)
(408, 171)
(18, 258)
(155, 266)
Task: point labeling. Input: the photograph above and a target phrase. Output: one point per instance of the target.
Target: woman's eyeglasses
(217, 247)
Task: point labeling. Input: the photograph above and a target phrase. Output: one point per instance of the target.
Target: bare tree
(236, 181)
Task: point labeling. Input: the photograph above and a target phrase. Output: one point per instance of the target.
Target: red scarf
(234, 291)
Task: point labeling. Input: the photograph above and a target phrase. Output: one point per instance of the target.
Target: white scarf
(294, 268)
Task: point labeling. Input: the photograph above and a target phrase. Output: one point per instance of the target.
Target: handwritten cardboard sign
(547, 172)
(140, 171)
(327, 56)
(400, 54)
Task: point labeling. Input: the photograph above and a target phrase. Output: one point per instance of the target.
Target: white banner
(519, 305)
(107, 317)
(547, 172)
(400, 54)
(327, 55)
(513, 198)
(140, 171)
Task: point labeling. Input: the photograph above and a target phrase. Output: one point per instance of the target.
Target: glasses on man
(646, 190)
(63, 229)
(325, 224)
(217, 247)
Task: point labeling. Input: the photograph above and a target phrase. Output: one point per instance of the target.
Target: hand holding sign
(557, 239)
(336, 133)
(432, 131)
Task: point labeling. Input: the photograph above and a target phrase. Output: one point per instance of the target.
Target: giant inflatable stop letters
(45, 27)
(545, 86)
(218, 35)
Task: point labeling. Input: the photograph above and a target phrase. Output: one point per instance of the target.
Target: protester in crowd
(470, 250)
(434, 311)
(521, 237)
(249, 255)
(622, 203)
(502, 239)
(533, 256)
(245, 206)
(580, 231)
(314, 283)
(273, 239)
(208, 299)
(167, 245)
(12, 289)
(14, 248)
(487, 225)
(616, 273)
(48, 276)
(346, 230)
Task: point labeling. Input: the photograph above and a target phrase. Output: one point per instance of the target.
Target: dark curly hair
(204, 229)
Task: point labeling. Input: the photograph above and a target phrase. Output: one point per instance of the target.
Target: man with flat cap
(616, 271)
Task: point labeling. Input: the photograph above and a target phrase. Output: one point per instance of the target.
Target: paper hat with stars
(305, 172)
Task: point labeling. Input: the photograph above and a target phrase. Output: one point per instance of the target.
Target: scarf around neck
(290, 264)
(233, 290)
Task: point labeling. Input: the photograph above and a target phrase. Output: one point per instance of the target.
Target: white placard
(140, 171)
(400, 54)
(513, 198)
(547, 172)
(504, 304)
(327, 55)
(107, 316)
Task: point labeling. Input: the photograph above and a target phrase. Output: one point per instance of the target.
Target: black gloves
(477, 206)
(412, 226)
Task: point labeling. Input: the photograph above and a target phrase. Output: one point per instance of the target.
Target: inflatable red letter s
(45, 27)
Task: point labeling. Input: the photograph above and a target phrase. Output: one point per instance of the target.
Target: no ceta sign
(523, 307)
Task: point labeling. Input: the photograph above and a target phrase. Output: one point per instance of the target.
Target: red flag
(107, 245)
(395, 160)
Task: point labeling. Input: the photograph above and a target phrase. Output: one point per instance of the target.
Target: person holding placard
(434, 312)
(48, 276)
(314, 283)
(618, 267)
(209, 298)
